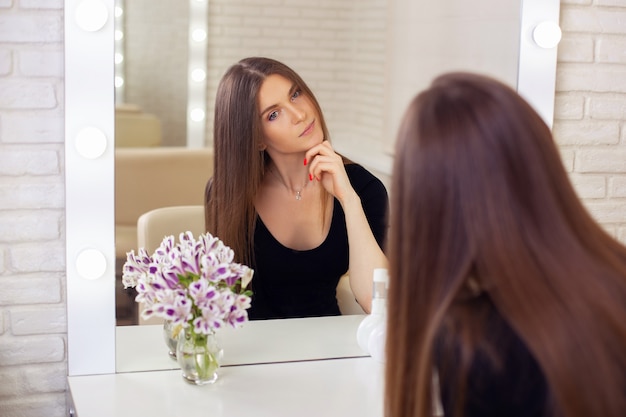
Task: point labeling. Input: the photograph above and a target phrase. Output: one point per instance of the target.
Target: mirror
(360, 66)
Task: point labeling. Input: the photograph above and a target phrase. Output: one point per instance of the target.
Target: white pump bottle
(372, 324)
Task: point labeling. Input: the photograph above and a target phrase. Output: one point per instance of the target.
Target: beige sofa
(135, 128)
(149, 178)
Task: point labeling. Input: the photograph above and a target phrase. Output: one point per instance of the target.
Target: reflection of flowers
(194, 283)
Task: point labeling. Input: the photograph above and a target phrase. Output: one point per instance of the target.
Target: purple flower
(193, 282)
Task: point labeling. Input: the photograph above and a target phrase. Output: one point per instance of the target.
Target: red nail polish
(304, 161)
(310, 177)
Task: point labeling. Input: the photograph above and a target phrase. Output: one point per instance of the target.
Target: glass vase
(170, 335)
(199, 356)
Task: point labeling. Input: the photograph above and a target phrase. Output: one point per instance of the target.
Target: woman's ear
(262, 146)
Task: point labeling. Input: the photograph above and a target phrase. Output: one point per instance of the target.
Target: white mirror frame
(89, 192)
(89, 102)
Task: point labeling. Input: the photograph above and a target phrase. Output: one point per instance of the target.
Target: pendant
(298, 196)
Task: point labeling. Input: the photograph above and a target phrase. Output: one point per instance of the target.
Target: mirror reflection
(355, 56)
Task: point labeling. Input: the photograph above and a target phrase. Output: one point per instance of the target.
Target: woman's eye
(296, 94)
(272, 116)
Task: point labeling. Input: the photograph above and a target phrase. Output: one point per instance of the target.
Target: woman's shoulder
(359, 175)
(365, 183)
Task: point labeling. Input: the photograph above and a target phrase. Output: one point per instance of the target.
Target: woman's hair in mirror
(238, 151)
(481, 205)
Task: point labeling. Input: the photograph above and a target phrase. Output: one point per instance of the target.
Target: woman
(286, 203)
(501, 284)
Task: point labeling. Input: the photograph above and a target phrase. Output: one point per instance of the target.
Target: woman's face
(290, 122)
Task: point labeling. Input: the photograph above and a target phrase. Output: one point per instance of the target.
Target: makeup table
(295, 367)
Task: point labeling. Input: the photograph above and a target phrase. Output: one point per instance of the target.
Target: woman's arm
(364, 250)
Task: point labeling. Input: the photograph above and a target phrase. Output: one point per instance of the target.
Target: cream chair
(154, 225)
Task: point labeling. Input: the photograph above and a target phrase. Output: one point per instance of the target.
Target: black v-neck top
(288, 283)
(504, 377)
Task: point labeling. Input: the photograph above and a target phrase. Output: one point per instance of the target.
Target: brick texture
(33, 322)
(590, 106)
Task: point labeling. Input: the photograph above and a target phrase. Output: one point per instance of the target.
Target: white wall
(589, 126)
(155, 66)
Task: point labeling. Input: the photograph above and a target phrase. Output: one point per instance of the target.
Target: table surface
(295, 367)
(142, 348)
(320, 388)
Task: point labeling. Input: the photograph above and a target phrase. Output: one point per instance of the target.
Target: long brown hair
(239, 159)
(479, 192)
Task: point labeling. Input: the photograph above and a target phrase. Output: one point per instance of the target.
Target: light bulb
(198, 35)
(91, 264)
(197, 115)
(91, 142)
(91, 15)
(198, 75)
(547, 34)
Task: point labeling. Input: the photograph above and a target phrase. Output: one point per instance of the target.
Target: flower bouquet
(197, 288)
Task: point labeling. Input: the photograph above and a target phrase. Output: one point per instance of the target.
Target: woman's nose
(298, 114)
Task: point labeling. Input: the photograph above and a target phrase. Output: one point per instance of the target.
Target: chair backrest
(154, 225)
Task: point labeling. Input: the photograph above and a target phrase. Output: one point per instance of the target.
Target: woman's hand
(326, 166)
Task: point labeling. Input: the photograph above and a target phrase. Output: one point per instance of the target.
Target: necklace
(298, 191)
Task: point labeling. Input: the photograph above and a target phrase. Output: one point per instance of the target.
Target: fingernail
(310, 177)
(304, 161)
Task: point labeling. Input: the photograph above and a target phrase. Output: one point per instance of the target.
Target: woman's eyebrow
(289, 94)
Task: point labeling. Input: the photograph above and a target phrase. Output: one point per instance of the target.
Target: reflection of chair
(154, 225)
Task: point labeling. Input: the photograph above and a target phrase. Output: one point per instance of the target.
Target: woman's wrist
(349, 200)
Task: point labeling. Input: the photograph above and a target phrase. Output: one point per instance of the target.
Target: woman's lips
(308, 129)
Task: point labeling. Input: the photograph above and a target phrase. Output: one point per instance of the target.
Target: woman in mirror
(502, 286)
(288, 205)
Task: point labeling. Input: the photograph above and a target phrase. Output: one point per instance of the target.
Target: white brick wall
(337, 46)
(589, 127)
(590, 106)
(33, 364)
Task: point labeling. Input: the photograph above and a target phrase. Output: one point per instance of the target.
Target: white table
(296, 367)
(142, 348)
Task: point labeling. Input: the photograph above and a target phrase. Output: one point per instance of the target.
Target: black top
(289, 283)
(504, 378)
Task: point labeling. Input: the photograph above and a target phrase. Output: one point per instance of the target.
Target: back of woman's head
(479, 189)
